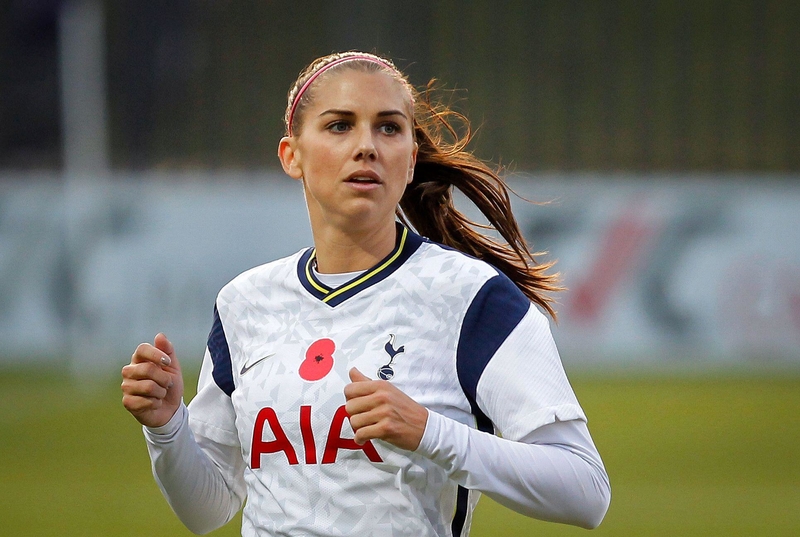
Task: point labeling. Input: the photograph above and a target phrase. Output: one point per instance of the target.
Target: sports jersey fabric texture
(448, 330)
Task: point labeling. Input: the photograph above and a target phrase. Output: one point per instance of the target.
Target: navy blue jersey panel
(460, 516)
(220, 355)
(494, 313)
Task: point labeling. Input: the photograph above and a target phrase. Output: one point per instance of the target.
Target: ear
(413, 164)
(290, 157)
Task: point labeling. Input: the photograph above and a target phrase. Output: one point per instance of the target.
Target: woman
(353, 388)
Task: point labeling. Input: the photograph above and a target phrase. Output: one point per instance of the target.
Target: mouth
(364, 178)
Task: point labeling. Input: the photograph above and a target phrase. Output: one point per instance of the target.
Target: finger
(148, 371)
(363, 425)
(136, 404)
(372, 431)
(143, 388)
(359, 420)
(377, 402)
(360, 386)
(358, 376)
(359, 405)
(165, 345)
(146, 352)
(360, 389)
(364, 434)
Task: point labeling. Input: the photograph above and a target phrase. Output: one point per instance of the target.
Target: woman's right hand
(152, 384)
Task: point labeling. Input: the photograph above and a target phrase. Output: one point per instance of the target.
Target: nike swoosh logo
(248, 367)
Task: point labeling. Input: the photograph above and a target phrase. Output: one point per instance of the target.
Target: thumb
(165, 345)
(358, 376)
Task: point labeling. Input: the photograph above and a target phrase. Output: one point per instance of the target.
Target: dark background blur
(705, 85)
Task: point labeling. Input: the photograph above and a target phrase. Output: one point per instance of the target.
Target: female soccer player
(376, 383)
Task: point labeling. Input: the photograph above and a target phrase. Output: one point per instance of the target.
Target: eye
(390, 128)
(338, 126)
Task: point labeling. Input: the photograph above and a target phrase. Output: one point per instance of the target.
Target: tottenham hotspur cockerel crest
(385, 372)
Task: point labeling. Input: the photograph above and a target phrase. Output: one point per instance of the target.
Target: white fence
(659, 269)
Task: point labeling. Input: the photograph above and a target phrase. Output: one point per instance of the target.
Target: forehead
(353, 89)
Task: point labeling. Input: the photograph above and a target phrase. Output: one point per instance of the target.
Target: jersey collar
(406, 244)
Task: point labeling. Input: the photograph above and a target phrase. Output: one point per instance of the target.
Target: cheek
(318, 162)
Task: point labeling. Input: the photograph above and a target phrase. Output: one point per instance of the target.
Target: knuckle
(132, 403)
(129, 371)
(392, 429)
(147, 369)
(145, 388)
(133, 372)
(362, 437)
(356, 423)
(152, 389)
(383, 397)
(384, 430)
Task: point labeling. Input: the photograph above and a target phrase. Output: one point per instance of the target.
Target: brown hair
(443, 162)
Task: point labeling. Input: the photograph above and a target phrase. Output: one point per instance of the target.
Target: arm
(510, 370)
(554, 474)
(545, 465)
(201, 479)
(199, 469)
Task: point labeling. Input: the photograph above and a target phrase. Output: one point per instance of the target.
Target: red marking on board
(319, 360)
(622, 245)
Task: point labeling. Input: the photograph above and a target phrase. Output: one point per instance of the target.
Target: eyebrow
(350, 113)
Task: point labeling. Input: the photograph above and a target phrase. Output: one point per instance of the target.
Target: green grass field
(702, 455)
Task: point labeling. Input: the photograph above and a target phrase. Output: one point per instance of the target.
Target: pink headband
(334, 63)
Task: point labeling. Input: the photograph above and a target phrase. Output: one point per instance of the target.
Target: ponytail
(428, 206)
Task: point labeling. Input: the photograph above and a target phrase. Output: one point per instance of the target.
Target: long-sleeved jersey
(450, 331)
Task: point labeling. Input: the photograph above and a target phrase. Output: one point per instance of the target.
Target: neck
(339, 251)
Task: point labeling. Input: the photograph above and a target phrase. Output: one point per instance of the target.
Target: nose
(366, 150)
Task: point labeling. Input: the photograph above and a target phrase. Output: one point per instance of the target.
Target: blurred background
(138, 174)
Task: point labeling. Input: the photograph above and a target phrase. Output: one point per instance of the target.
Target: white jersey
(448, 330)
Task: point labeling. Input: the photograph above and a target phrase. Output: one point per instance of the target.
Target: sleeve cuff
(167, 432)
(429, 443)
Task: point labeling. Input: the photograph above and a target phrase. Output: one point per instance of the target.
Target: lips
(365, 177)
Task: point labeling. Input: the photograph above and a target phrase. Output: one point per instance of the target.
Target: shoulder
(437, 259)
(482, 284)
(257, 279)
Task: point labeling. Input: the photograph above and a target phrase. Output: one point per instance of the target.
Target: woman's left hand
(378, 409)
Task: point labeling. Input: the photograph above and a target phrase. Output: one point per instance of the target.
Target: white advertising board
(658, 268)
(676, 269)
